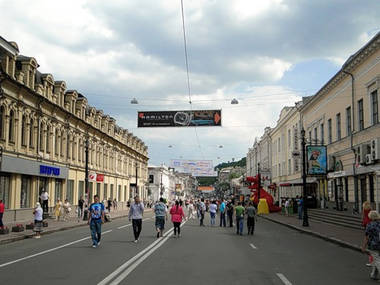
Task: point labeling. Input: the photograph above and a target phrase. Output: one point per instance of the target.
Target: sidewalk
(54, 226)
(340, 235)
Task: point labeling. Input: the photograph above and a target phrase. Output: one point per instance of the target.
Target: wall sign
(49, 170)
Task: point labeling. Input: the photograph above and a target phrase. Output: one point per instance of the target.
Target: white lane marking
(43, 252)
(128, 271)
(283, 279)
(254, 247)
(144, 253)
(146, 219)
(106, 232)
(122, 227)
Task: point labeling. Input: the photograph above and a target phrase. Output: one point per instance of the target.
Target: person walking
(251, 217)
(239, 212)
(300, 207)
(222, 209)
(202, 211)
(96, 219)
(45, 201)
(365, 221)
(177, 214)
(287, 205)
(213, 207)
(2, 209)
(66, 210)
(161, 215)
(230, 213)
(135, 214)
(58, 210)
(38, 218)
(191, 210)
(109, 204)
(80, 208)
(372, 242)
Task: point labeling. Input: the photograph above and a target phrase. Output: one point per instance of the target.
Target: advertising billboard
(316, 156)
(198, 118)
(194, 167)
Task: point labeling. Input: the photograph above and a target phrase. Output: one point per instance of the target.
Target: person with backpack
(96, 219)
(372, 242)
(161, 215)
(177, 214)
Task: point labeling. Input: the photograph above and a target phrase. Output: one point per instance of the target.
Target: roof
(9, 46)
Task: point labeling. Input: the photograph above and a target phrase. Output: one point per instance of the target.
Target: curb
(30, 235)
(315, 234)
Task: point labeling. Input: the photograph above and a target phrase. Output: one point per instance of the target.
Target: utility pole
(136, 180)
(305, 222)
(85, 217)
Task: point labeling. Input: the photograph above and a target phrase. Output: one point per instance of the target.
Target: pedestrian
(287, 205)
(300, 207)
(109, 204)
(66, 210)
(251, 217)
(230, 213)
(2, 209)
(202, 210)
(177, 214)
(365, 222)
(80, 208)
(372, 242)
(114, 204)
(161, 215)
(239, 212)
(58, 210)
(38, 218)
(191, 210)
(213, 207)
(222, 209)
(45, 200)
(96, 219)
(135, 214)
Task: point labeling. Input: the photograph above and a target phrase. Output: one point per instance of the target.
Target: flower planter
(4, 231)
(30, 226)
(18, 228)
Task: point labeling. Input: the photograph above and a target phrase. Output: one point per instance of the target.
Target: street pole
(136, 193)
(86, 177)
(305, 222)
(258, 181)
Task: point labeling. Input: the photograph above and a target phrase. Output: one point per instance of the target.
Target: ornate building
(44, 130)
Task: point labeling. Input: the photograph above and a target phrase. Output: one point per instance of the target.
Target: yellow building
(44, 129)
(344, 115)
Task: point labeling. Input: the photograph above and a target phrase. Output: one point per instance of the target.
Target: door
(363, 189)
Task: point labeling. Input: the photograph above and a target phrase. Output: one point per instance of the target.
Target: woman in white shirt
(38, 213)
(213, 207)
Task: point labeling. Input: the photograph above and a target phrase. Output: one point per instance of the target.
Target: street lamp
(305, 222)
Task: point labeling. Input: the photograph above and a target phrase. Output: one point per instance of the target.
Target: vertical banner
(316, 156)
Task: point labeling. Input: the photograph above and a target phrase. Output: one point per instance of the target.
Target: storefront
(22, 181)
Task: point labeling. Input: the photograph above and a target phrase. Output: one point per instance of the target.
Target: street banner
(206, 189)
(190, 118)
(316, 156)
(194, 167)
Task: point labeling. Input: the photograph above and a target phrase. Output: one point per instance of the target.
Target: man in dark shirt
(80, 207)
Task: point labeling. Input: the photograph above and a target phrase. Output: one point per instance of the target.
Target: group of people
(294, 204)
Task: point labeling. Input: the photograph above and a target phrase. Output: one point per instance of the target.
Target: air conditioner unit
(331, 162)
(361, 151)
(375, 149)
(368, 159)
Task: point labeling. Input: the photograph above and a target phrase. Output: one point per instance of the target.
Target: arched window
(23, 130)
(42, 126)
(56, 144)
(11, 126)
(62, 143)
(48, 139)
(31, 133)
(2, 122)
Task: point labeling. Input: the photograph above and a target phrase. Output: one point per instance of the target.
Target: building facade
(44, 132)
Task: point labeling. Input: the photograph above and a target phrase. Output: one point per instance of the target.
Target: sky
(266, 54)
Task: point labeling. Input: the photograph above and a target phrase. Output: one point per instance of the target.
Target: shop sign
(49, 170)
(92, 176)
(99, 177)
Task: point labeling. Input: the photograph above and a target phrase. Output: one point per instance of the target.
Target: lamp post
(85, 217)
(258, 181)
(136, 190)
(305, 222)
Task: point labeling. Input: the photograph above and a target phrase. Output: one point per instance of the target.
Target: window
(25, 193)
(11, 126)
(374, 107)
(48, 139)
(125, 192)
(70, 191)
(80, 189)
(296, 164)
(289, 139)
(31, 133)
(316, 135)
(68, 146)
(1, 122)
(310, 140)
(348, 119)
(56, 144)
(322, 134)
(119, 193)
(4, 190)
(23, 131)
(151, 178)
(58, 189)
(329, 130)
(111, 192)
(338, 127)
(74, 145)
(98, 189)
(42, 136)
(279, 145)
(295, 130)
(360, 115)
(289, 166)
(105, 191)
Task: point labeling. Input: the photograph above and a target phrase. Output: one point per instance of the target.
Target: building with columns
(44, 131)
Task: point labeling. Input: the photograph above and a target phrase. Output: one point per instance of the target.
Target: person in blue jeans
(222, 209)
(95, 221)
(239, 211)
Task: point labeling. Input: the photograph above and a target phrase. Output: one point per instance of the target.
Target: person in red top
(177, 215)
(365, 221)
(2, 208)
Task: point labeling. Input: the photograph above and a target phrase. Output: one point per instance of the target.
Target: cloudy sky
(266, 54)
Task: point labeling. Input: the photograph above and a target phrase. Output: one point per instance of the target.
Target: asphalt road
(203, 255)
